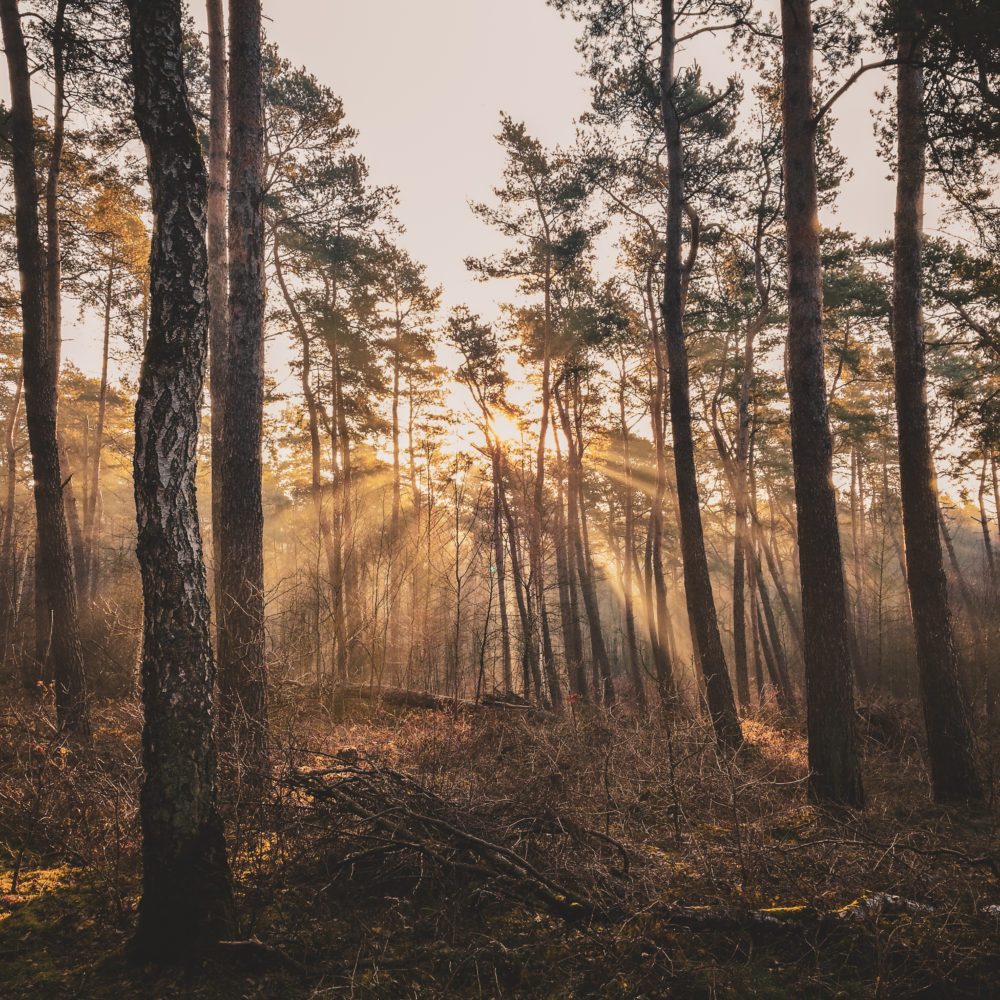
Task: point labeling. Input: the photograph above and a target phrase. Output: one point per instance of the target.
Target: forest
(616, 619)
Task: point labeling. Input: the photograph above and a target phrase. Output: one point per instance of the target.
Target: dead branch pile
(379, 812)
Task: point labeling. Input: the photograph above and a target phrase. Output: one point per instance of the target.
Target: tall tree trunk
(835, 771)
(984, 523)
(218, 270)
(741, 463)
(348, 566)
(8, 553)
(657, 610)
(53, 243)
(537, 553)
(574, 484)
(41, 373)
(337, 571)
(500, 562)
(396, 472)
(95, 500)
(949, 734)
(187, 899)
(76, 537)
(628, 558)
(697, 582)
(312, 413)
(565, 573)
(242, 668)
(530, 671)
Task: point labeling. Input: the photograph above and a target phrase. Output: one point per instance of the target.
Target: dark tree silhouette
(697, 582)
(833, 758)
(54, 560)
(949, 735)
(242, 670)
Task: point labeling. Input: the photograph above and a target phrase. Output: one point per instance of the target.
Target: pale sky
(424, 82)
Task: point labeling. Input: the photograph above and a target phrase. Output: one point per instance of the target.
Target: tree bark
(187, 901)
(41, 373)
(218, 269)
(697, 582)
(835, 772)
(949, 734)
(242, 668)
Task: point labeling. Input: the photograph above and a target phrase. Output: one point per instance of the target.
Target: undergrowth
(386, 890)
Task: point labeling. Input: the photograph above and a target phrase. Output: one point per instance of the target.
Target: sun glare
(505, 428)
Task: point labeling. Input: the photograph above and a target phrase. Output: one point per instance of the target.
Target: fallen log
(395, 697)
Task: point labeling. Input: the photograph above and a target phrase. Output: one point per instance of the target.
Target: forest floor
(492, 854)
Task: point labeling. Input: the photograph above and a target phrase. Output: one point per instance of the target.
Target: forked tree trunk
(697, 582)
(835, 772)
(242, 668)
(949, 734)
(41, 373)
(187, 901)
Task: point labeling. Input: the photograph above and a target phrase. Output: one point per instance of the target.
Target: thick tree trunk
(187, 901)
(41, 373)
(242, 668)
(833, 757)
(697, 582)
(218, 268)
(949, 734)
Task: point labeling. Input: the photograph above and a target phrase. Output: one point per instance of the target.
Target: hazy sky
(424, 81)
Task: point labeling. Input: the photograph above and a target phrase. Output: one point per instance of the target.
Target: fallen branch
(400, 814)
